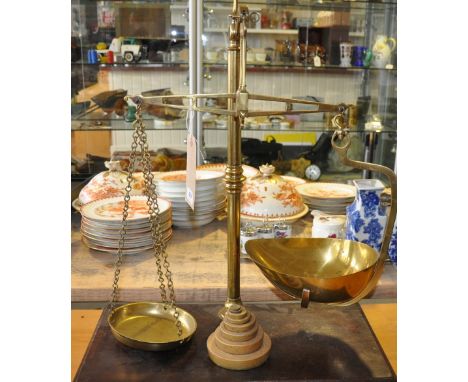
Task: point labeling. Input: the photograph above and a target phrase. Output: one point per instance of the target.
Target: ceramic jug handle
(393, 41)
(342, 150)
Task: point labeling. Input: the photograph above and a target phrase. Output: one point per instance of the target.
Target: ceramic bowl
(270, 196)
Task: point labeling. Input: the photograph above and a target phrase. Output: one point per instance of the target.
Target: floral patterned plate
(110, 209)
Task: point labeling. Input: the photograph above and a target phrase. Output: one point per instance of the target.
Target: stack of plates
(210, 198)
(331, 198)
(101, 221)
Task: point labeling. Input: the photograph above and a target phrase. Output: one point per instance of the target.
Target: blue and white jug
(366, 217)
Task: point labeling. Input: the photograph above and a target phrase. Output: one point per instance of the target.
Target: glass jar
(282, 230)
(247, 232)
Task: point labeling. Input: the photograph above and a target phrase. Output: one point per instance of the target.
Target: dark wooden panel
(321, 343)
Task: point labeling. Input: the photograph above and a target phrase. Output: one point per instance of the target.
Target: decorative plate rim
(133, 197)
(213, 165)
(278, 218)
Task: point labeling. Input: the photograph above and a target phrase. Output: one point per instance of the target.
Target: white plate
(327, 190)
(187, 217)
(194, 224)
(132, 226)
(111, 209)
(328, 202)
(212, 203)
(115, 234)
(178, 190)
(294, 180)
(199, 196)
(124, 251)
(248, 171)
(178, 177)
(112, 246)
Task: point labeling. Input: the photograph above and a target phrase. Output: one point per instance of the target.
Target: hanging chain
(123, 228)
(159, 245)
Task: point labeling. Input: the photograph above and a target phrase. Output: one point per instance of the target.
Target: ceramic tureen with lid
(110, 183)
(269, 196)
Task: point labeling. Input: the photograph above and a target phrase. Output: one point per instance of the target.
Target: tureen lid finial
(267, 169)
(113, 165)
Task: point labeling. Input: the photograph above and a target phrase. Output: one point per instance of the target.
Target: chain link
(159, 245)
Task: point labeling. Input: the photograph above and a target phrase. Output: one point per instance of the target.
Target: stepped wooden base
(238, 343)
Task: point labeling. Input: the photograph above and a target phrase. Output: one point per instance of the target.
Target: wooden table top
(198, 261)
(382, 319)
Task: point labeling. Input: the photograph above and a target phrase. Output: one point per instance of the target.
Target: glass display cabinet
(330, 51)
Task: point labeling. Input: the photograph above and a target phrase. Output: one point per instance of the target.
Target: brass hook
(345, 139)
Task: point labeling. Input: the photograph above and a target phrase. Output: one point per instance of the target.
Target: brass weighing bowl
(148, 326)
(320, 270)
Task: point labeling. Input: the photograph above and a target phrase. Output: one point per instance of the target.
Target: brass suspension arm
(154, 100)
(322, 107)
(161, 101)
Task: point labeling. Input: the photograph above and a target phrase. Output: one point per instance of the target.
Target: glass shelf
(122, 125)
(309, 4)
(296, 65)
(252, 65)
(133, 64)
(254, 31)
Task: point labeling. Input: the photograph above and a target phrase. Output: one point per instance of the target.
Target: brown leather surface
(316, 344)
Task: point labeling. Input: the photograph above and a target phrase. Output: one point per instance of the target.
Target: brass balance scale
(330, 271)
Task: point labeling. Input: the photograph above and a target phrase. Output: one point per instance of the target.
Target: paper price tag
(191, 179)
(317, 61)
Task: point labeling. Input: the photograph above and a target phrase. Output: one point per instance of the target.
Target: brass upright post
(234, 176)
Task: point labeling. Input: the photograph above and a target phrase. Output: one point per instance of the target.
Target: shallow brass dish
(319, 270)
(148, 326)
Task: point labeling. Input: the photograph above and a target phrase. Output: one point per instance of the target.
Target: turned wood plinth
(238, 343)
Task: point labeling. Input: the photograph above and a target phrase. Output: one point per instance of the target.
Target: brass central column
(234, 177)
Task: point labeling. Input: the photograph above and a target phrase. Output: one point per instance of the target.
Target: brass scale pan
(150, 326)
